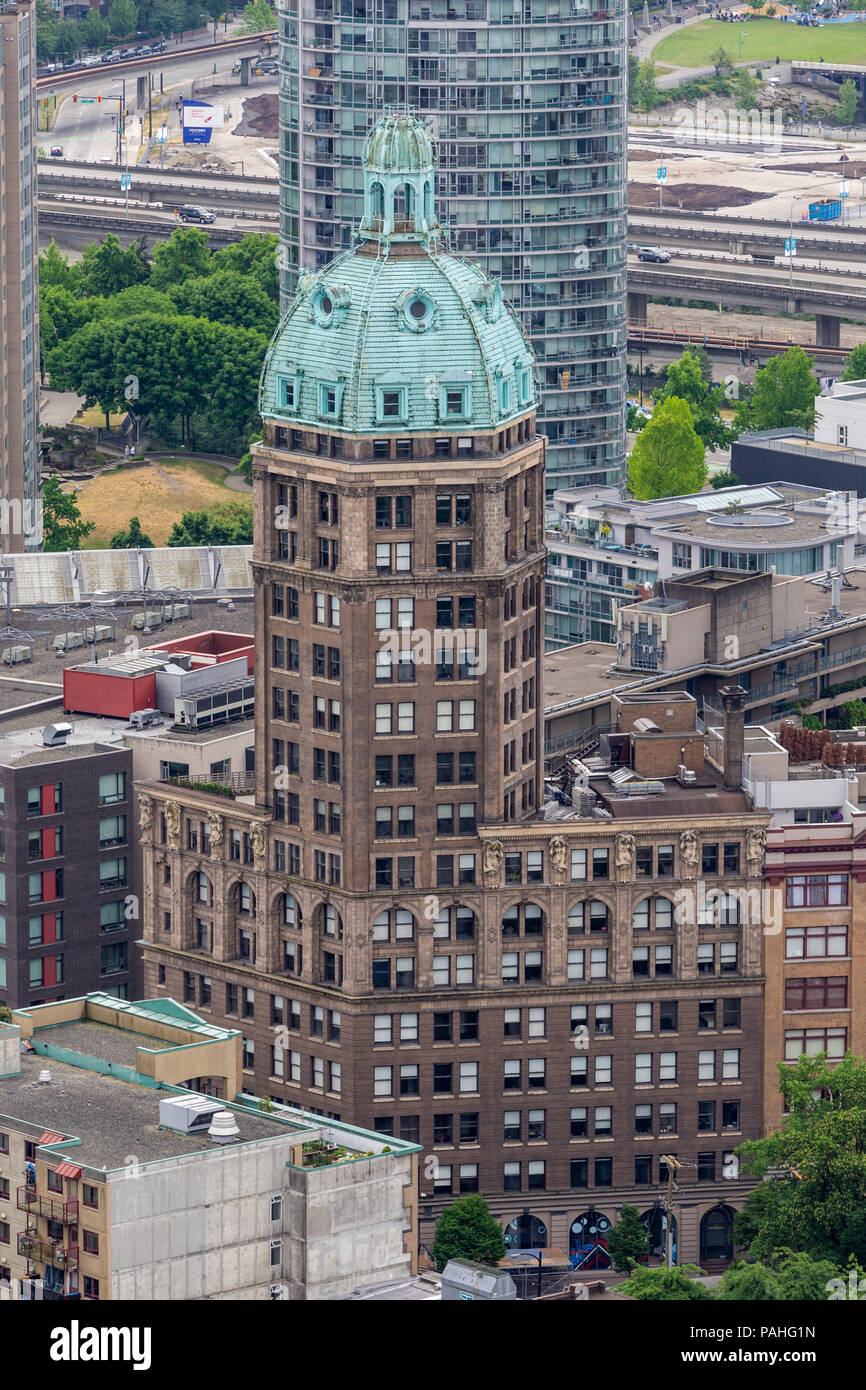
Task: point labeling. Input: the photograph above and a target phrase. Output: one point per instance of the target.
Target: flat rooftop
(43, 676)
(22, 744)
(580, 670)
(112, 1118)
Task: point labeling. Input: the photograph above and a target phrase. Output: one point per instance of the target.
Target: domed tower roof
(398, 143)
(396, 335)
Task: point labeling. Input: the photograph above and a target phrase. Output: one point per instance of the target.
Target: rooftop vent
(223, 1128)
(189, 1114)
(685, 776)
(45, 1077)
(55, 735)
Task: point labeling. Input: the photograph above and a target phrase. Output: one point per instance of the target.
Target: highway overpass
(739, 236)
(830, 295)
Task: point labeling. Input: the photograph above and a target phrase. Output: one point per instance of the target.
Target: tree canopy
(686, 379)
(818, 1209)
(62, 526)
(668, 457)
(228, 523)
(466, 1230)
(783, 394)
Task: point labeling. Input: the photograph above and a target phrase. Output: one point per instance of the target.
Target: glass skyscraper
(527, 102)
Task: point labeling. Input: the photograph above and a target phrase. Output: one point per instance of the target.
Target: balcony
(29, 1200)
(42, 1252)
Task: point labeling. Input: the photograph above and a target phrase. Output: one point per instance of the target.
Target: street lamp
(791, 244)
(743, 35)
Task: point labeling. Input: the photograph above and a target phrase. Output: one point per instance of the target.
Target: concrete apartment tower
(527, 102)
(19, 325)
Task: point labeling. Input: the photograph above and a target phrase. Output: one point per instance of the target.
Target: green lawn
(765, 38)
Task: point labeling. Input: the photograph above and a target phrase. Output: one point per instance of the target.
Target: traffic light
(99, 98)
(74, 97)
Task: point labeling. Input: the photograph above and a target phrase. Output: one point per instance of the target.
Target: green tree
(847, 113)
(748, 1283)
(123, 18)
(257, 16)
(822, 1145)
(133, 538)
(62, 526)
(255, 254)
(54, 269)
(721, 59)
(726, 479)
(94, 30)
(185, 255)
(107, 266)
(227, 297)
(854, 370)
(135, 299)
(852, 714)
(165, 17)
(228, 523)
(245, 467)
(658, 1285)
(668, 457)
(783, 394)
(67, 40)
(467, 1231)
(686, 381)
(646, 91)
(628, 1241)
(745, 87)
(633, 70)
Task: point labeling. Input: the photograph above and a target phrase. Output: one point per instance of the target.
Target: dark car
(190, 213)
(653, 253)
(265, 66)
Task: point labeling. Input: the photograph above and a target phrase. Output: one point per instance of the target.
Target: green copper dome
(398, 143)
(396, 335)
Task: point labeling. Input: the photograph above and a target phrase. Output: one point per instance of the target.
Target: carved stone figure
(558, 858)
(688, 853)
(145, 812)
(257, 840)
(215, 825)
(625, 856)
(756, 840)
(172, 824)
(492, 862)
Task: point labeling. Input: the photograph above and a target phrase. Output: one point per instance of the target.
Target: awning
(49, 1137)
(68, 1170)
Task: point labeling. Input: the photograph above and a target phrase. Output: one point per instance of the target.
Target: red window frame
(816, 992)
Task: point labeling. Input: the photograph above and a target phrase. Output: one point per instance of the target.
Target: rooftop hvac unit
(642, 788)
(219, 706)
(55, 735)
(144, 718)
(685, 776)
(189, 1114)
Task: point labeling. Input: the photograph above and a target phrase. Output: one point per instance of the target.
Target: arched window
(653, 912)
(202, 889)
(329, 921)
(525, 1232)
(394, 925)
(588, 1241)
(454, 922)
(527, 916)
(377, 200)
(245, 900)
(591, 915)
(717, 1234)
(290, 911)
(653, 1221)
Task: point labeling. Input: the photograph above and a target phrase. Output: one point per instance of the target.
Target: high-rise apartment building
(19, 328)
(408, 934)
(526, 99)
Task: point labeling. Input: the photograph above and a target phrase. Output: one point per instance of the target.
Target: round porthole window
(323, 308)
(419, 311)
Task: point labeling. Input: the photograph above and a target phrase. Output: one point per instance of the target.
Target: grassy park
(766, 39)
(158, 493)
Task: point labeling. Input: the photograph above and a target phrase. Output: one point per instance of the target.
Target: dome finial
(399, 173)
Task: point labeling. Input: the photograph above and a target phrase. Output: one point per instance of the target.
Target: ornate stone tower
(399, 564)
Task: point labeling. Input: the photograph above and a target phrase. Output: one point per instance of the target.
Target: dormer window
(288, 390)
(505, 394)
(524, 385)
(392, 398)
(330, 399)
(330, 303)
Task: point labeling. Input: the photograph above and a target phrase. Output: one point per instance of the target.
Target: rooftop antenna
(834, 612)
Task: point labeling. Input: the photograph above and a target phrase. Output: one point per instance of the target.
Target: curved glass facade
(526, 100)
